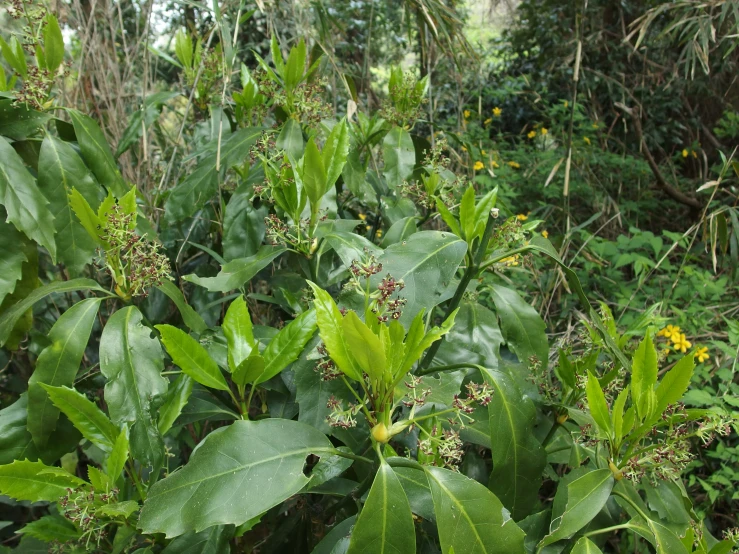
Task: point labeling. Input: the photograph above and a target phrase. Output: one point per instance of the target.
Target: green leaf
(96, 153)
(34, 481)
(290, 139)
(467, 218)
(235, 474)
(249, 370)
(469, 517)
(335, 152)
(673, 385)
(427, 262)
(295, 66)
(329, 320)
(522, 326)
(120, 509)
(60, 170)
(14, 55)
(666, 541)
(239, 333)
(183, 48)
(237, 273)
(350, 246)
(88, 219)
(11, 258)
(190, 317)
(619, 429)
(118, 455)
(213, 540)
(586, 497)
(385, 523)
(86, 416)
(26, 207)
(399, 155)
(175, 400)
(57, 365)
(13, 314)
(243, 225)
(518, 457)
(598, 406)
(51, 529)
(19, 122)
(53, 44)
(313, 173)
(132, 362)
(191, 357)
(287, 345)
(417, 341)
(585, 546)
(364, 346)
(644, 377)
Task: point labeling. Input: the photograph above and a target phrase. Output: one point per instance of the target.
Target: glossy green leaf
(191, 357)
(598, 406)
(249, 370)
(96, 153)
(585, 546)
(190, 317)
(619, 428)
(287, 345)
(18, 121)
(118, 455)
(239, 333)
(364, 346)
(335, 152)
(665, 540)
(674, 384)
(313, 173)
(586, 496)
(522, 326)
(235, 474)
(60, 170)
(329, 320)
(295, 66)
(11, 258)
(518, 457)
(175, 400)
(243, 225)
(12, 315)
(213, 540)
(131, 360)
(237, 273)
(290, 139)
(34, 481)
(193, 192)
(469, 517)
(57, 366)
(51, 529)
(26, 206)
(467, 218)
(385, 523)
(427, 262)
(86, 416)
(644, 377)
(399, 155)
(53, 44)
(351, 247)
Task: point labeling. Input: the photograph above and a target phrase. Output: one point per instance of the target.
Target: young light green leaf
(86, 416)
(335, 152)
(26, 207)
(295, 66)
(132, 362)
(643, 377)
(249, 370)
(291, 139)
(53, 44)
(329, 320)
(36, 482)
(469, 517)
(57, 365)
(118, 455)
(235, 474)
(673, 385)
(586, 496)
(287, 345)
(518, 457)
(467, 214)
(51, 529)
(313, 173)
(619, 429)
(191, 357)
(598, 406)
(385, 523)
(239, 334)
(364, 346)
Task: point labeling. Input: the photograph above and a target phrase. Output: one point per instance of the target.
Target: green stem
(361, 402)
(248, 402)
(633, 504)
(472, 271)
(136, 481)
(609, 529)
(428, 416)
(550, 434)
(450, 367)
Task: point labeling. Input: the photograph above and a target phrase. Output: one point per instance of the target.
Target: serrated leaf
(643, 376)
(51, 529)
(34, 481)
(364, 346)
(335, 152)
(57, 366)
(239, 333)
(11, 258)
(118, 455)
(190, 356)
(286, 346)
(235, 474)
(598, 406)
(53, 44)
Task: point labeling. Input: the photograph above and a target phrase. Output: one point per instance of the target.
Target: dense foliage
(269, 307)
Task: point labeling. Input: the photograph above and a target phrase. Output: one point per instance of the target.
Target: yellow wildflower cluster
(680, 343)
(488, 121)
(511, 261)
(497, 111)
(514, 165)
(478, 165)
(494, 164)
(545, 234)
(692, 152)
(522, 217)
(701, 354)
(531, 134)
(544, 130)
(466, 114)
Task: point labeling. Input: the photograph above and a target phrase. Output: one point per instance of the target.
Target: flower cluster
(366, 268)
(81, 506)
(135, 263)
(416, 397)
(326, 367)
(35, 89)
(384, 307)
(406, 98)
(341, 417)
(680, 343)
(444, 447)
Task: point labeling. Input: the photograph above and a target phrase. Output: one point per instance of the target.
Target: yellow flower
(669, 331)
(685, 152)
(531, 134)
(514, 165)
(466, 114)
(464, 149)
(497, 111)
(545, 234)
(587, 140)
(362, 216)
(544, 130)
(510, 260)
(488, 121)
(478, 165)
(702, 354)
(595, 125)
(494, 164)
(483, 152)
(368, 227)
(522, 217)
(695, 154)
(378, 233)
(680, 343)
